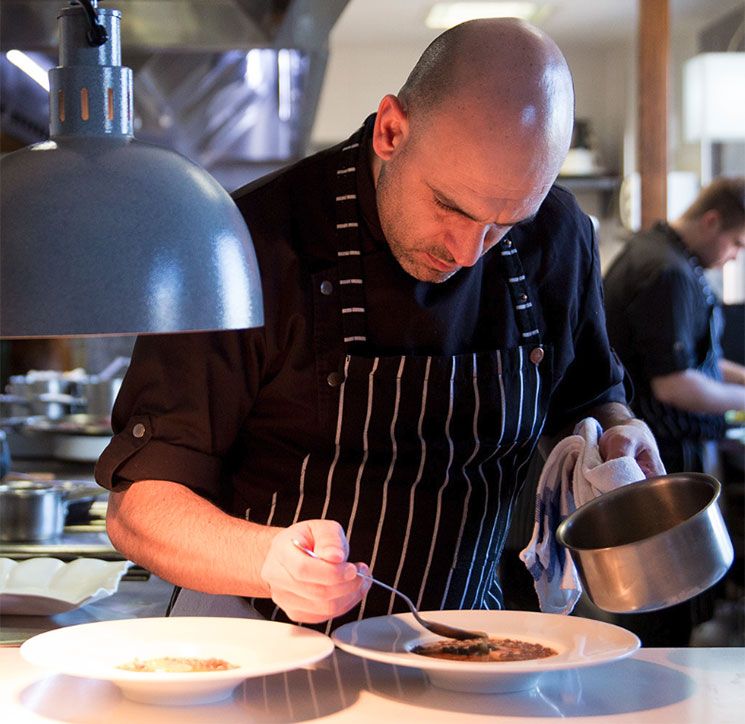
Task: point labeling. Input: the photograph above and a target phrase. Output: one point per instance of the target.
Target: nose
(468, 244)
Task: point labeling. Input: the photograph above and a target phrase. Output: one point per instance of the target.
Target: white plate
(577, 641)
(257, 647)
(47, 586)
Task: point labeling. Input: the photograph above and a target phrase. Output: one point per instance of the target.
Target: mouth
(439, 265)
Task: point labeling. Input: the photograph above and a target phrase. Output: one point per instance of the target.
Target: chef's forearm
(184, 539)
(695, 392)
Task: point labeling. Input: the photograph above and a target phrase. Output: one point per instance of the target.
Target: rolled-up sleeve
(180, 408)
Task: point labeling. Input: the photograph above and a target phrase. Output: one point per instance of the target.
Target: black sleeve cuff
(134, 455)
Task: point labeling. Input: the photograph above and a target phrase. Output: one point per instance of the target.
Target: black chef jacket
(661, 320)
(200, 409)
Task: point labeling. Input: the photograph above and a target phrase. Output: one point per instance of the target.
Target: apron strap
(349, 260)
(521, 303)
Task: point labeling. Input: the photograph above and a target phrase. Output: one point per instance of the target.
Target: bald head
(471, 145)
(506, 77)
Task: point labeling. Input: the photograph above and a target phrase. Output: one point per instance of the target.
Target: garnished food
(177, 664)
(490, 649)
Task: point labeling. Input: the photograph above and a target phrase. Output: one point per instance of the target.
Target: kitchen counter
(654, 686)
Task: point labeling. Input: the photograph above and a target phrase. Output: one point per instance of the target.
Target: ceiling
(381, 22)
(189, 60)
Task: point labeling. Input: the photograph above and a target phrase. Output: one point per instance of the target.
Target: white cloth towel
(574, 473)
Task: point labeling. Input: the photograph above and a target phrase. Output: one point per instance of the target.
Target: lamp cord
(97, 34)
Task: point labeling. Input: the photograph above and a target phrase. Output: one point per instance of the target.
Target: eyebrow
(445, 199)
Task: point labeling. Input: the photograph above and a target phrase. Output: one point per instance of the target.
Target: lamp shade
(103, 234)
(714, 97)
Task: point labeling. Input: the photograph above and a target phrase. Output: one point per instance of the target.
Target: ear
(391, 127)
(711, 222)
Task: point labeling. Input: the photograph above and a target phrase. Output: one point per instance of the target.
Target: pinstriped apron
(429, 452)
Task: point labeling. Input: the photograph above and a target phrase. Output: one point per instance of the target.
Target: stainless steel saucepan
(651, 544)
(36, 511)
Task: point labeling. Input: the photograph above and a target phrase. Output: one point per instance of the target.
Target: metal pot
(99, 395)
(30, 511)
(100, 390)
(36, 511)
(79, 496)
(651, 544)
(52, 397)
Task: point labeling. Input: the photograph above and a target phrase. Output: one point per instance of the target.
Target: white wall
(603, 91)
(356, 79)
(605, 87)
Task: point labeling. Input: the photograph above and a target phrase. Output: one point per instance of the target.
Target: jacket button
(507, 244)
(523, 297)
(334, 379)
(326, 288)
(138, 430)
(536, 355)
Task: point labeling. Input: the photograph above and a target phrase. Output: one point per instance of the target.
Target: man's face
(443, 203)
(730, 243)
(724, 246)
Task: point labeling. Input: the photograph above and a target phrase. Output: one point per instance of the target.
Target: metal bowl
(651, 544)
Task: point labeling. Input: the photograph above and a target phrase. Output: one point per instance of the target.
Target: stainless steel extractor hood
(231, 84)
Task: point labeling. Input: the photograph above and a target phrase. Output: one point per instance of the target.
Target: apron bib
(429, 452)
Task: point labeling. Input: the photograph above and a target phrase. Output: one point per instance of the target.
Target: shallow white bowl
(256, 647)
(578, 642)
(47, 586)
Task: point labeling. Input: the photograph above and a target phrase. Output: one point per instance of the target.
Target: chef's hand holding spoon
(308, 589)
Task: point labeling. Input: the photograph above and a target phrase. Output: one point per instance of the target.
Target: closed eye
(444, 206)
(455, 210)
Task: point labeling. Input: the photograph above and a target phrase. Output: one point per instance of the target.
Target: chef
(666, 323)
(433, 308)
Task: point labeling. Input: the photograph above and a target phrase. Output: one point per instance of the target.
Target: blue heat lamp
(102, 234)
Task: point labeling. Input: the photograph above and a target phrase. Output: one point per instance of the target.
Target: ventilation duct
(231, 84)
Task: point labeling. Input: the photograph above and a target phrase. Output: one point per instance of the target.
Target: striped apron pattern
(429, 452)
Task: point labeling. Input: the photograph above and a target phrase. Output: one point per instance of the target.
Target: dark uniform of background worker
(433, 307)
(665, 322)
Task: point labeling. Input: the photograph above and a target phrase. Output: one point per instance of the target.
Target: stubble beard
(408, 262)
(394, 231)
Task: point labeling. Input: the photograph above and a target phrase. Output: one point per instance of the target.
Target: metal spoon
(440, 629)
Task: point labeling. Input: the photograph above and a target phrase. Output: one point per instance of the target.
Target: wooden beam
(654, 43)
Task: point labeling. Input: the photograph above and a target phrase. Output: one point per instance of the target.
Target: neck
(686, 230)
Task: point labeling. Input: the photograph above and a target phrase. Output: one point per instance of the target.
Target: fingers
(328, 541)
(632, 439)
(320, 608)
(651, 463)
(312, 589)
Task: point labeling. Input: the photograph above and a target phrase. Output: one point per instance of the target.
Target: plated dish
(253, 647)
(47, 586)
(578, 642)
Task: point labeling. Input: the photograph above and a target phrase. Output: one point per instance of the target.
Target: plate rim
(170, 679)
(444, 666)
